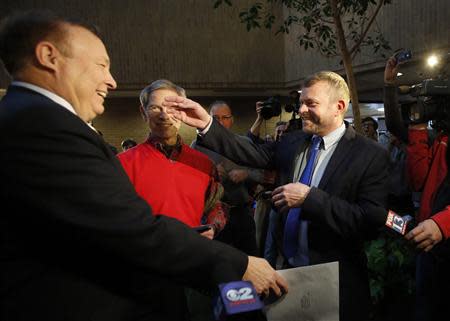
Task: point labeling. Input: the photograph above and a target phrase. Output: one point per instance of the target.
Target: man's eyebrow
(154, 105)
(106, 61)
(308, 99)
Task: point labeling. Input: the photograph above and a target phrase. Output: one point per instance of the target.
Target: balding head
(221, 111)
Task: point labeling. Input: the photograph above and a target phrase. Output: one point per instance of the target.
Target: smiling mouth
(102, 94)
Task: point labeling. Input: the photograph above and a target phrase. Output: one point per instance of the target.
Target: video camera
(432, 100)
(272, 106)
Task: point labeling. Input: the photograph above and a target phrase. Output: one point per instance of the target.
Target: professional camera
(271, 107)
(293, 105)
(432, 102)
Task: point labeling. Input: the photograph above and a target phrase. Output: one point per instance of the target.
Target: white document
(313, 294)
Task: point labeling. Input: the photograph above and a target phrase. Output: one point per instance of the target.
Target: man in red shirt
(172, 177)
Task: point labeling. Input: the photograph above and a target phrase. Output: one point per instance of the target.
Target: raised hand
(188, 111)
(390, 71)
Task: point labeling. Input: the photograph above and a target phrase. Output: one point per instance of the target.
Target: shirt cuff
(206, 129)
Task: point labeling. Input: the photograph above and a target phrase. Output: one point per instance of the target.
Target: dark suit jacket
(78, 243)
(344, 210)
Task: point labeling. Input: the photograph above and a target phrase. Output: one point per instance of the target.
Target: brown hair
(21, 32)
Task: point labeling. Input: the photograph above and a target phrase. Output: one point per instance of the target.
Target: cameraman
(427, 168)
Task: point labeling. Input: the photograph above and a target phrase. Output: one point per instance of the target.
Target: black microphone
(238, 301)
(400, 224)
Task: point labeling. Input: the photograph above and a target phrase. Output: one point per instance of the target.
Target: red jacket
(427, 169)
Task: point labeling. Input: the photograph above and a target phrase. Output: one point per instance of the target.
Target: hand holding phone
(403, 55)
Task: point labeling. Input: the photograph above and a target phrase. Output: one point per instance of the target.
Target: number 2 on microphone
(240, 295)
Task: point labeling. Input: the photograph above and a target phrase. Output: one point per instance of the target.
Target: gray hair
(145, 94)
(218, 103)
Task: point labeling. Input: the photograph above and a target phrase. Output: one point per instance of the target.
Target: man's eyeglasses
(221, 118)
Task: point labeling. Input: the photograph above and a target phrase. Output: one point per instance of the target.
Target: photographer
(427, 168)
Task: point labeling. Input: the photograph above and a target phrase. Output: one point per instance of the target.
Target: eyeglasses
(222, 118)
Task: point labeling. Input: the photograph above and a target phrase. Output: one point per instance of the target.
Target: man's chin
(98, 110)
(308, 128)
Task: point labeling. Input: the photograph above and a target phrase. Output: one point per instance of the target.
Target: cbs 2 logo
(240, 294)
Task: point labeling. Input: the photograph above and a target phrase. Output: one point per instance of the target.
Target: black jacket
(346, 207)
(78, 243)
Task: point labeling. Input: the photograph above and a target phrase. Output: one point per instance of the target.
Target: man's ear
(341, 106)
(143, 112)
(47, 55)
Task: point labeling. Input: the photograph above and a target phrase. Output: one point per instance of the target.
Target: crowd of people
(149, 233)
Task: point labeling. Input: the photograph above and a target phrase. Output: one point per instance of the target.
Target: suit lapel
(295, 147)
(340, 154)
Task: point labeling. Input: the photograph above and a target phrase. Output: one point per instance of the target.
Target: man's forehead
(221, 109)
(79, 36)
(161, 93)
(317, 84)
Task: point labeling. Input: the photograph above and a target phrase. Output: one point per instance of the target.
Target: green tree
(334, 27)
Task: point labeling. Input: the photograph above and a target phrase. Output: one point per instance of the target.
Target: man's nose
(163, 114)
(110, 82)
(303, 108)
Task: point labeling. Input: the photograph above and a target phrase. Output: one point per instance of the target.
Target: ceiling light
(432, 61)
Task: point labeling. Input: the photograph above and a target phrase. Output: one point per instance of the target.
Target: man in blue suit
(342, 206)
(78, 243)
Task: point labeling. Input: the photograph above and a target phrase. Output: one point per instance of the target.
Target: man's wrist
(206, 129)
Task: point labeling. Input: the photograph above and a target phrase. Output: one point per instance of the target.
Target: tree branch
(363, 35)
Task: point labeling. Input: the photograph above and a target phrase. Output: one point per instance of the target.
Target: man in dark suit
(345, 201)
(78, 243)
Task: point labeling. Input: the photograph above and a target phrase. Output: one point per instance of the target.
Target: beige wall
(210, 53)
(185, 41)
(201, 48)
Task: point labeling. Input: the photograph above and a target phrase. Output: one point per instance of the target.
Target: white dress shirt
(326, 150)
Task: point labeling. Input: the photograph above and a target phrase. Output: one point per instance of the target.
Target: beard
(309, 126)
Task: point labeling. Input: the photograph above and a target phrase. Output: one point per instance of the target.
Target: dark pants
(240, 231)
(432, 287)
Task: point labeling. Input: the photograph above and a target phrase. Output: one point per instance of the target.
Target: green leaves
(391, 266)
(313, 21)
(251, 17)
